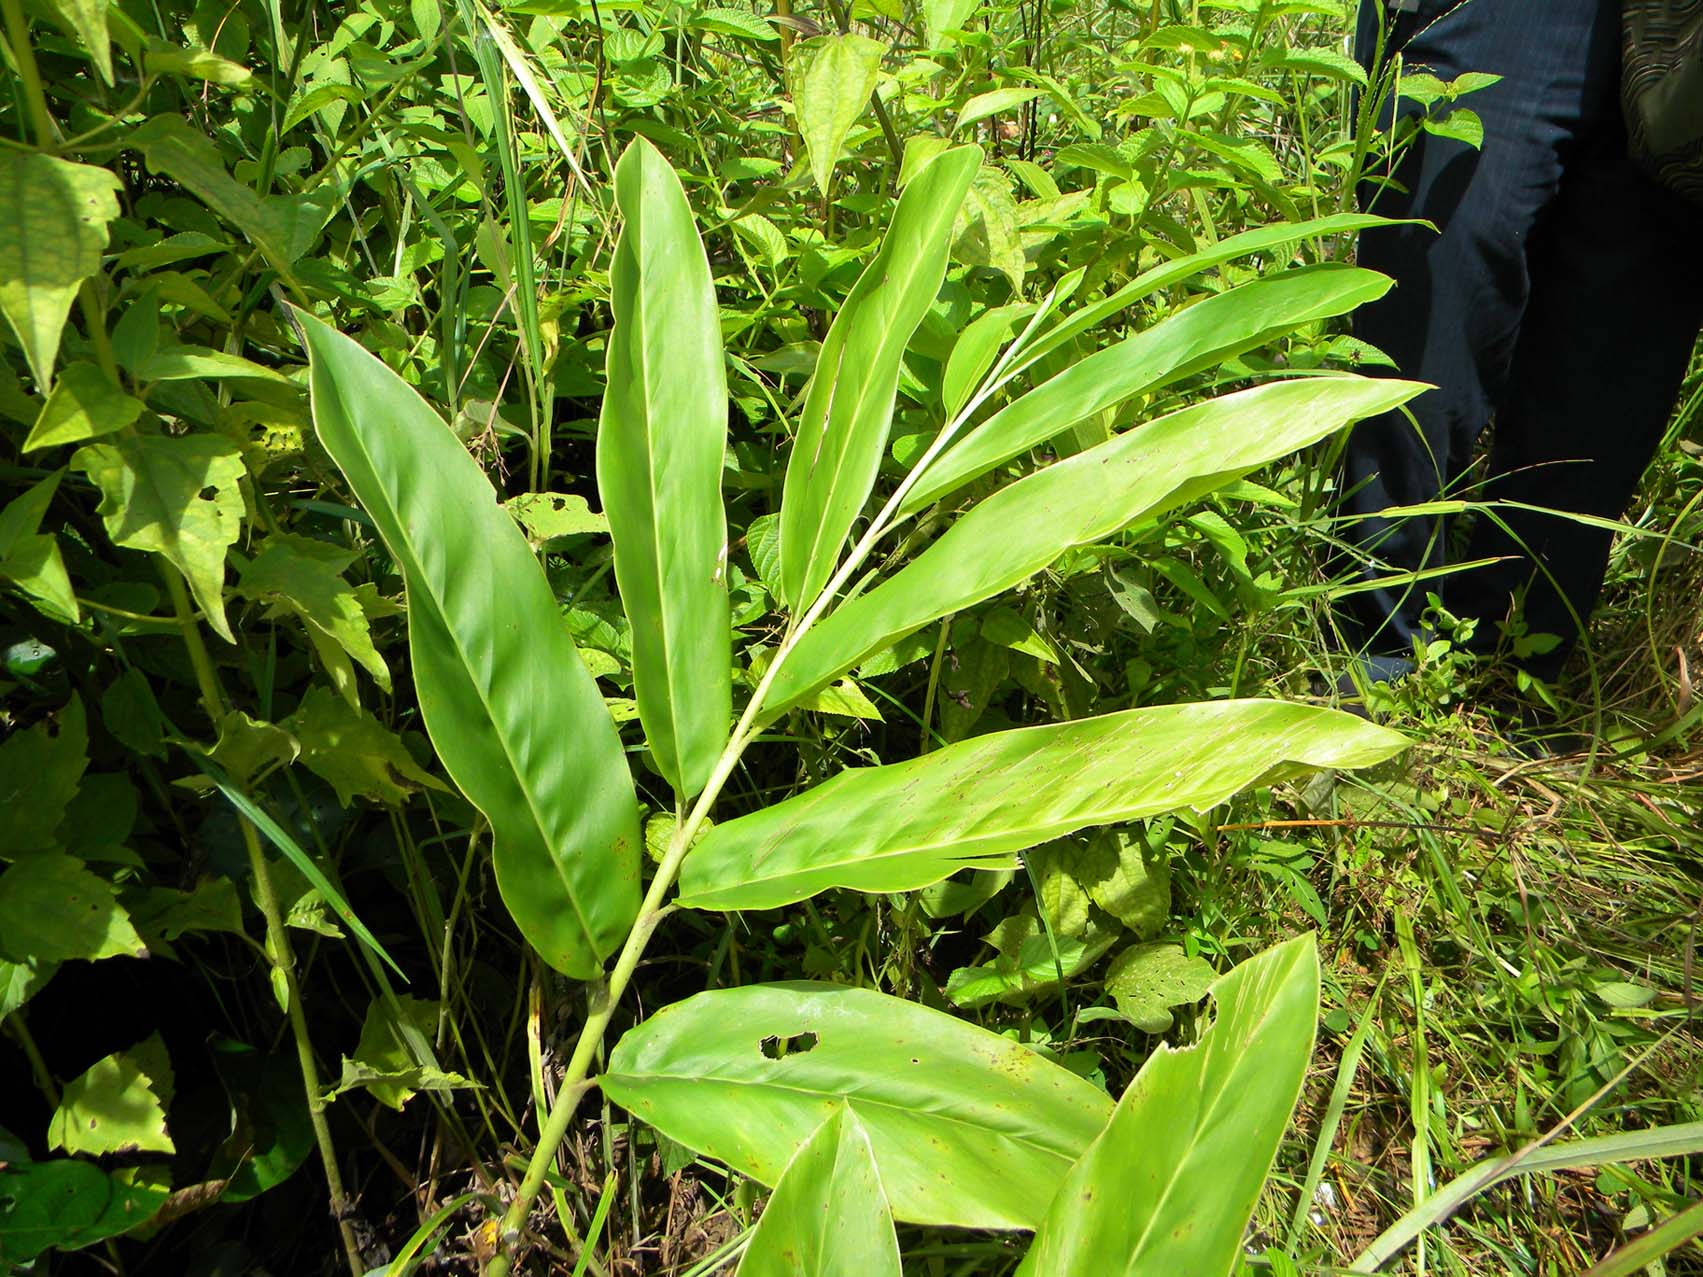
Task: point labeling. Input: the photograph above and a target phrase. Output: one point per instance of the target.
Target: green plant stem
(278, 949)
(652, 910)
(38, 1067)
(29, 75)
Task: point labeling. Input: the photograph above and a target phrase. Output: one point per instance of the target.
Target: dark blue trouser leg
(1560, 298)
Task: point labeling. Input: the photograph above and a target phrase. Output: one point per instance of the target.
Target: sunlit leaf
(906, 825)
(177, 496)
(830, 78)
(1198, 337)
(303, 577)
(1025, 526)
(85, 404)
(115, 1107)
(828, 1216)
(1171, 1184)
(55, 215)
(52, 909)
(515, 716)
(968, 1128)
(659, 455)
(849, 408)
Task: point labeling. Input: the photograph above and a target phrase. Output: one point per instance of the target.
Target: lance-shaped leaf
(1171, 1184)
(849, 407)
(1194, 339)
(659, 453)
(969, 1128)
(830, 78)
(906, 825)
(828, 1216)
(1025, 526)
(513, 712)
(55, 214)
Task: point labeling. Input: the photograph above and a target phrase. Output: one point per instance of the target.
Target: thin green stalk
(277, 936)
(29, 75)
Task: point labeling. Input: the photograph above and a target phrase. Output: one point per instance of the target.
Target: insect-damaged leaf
(968, 1128)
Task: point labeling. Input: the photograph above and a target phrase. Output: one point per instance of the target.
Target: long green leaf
(511, 709)
(907, 825)
(849, 407)
(659, 453)
(1025, 526)
(968, 1128)
(1196, 338)
(1246, 244)
(1171, 1184)
(828, 1216)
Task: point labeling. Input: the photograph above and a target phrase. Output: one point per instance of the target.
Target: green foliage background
(231, 855)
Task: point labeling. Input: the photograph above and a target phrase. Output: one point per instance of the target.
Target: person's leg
(1617, 297)
(1461, 292)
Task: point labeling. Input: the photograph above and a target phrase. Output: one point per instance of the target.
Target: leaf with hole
(968, 1128)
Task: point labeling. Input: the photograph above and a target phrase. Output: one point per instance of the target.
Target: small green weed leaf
(844, 699)
(385, 1063)
(906, 825)
(1122, 879)
(940, 17)
(164, 914)
(85, 404)
(55, 214)
(353, 752)
(992, 103)
(86, 19)
(660, 441)
(283, 227)
(197, 64)
(497, 675)
(1028, 963)
(52, 909)
(550, 516)
(301, 576)
(974, 353)
(37, 568)
(1198, 337)
(133, 716)
(968, 1128)
(724, 20)
(828, 1216)
(247, 748)
(118, 1106)
(763, 543)
(23, 515)
(848, 409)
(40, 769)
(21, 981)
(1170, 1185)
(830, 78)
(1147, 980)
(177, 497)
(1026, 525)
(65, 1204)
(987, 233)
